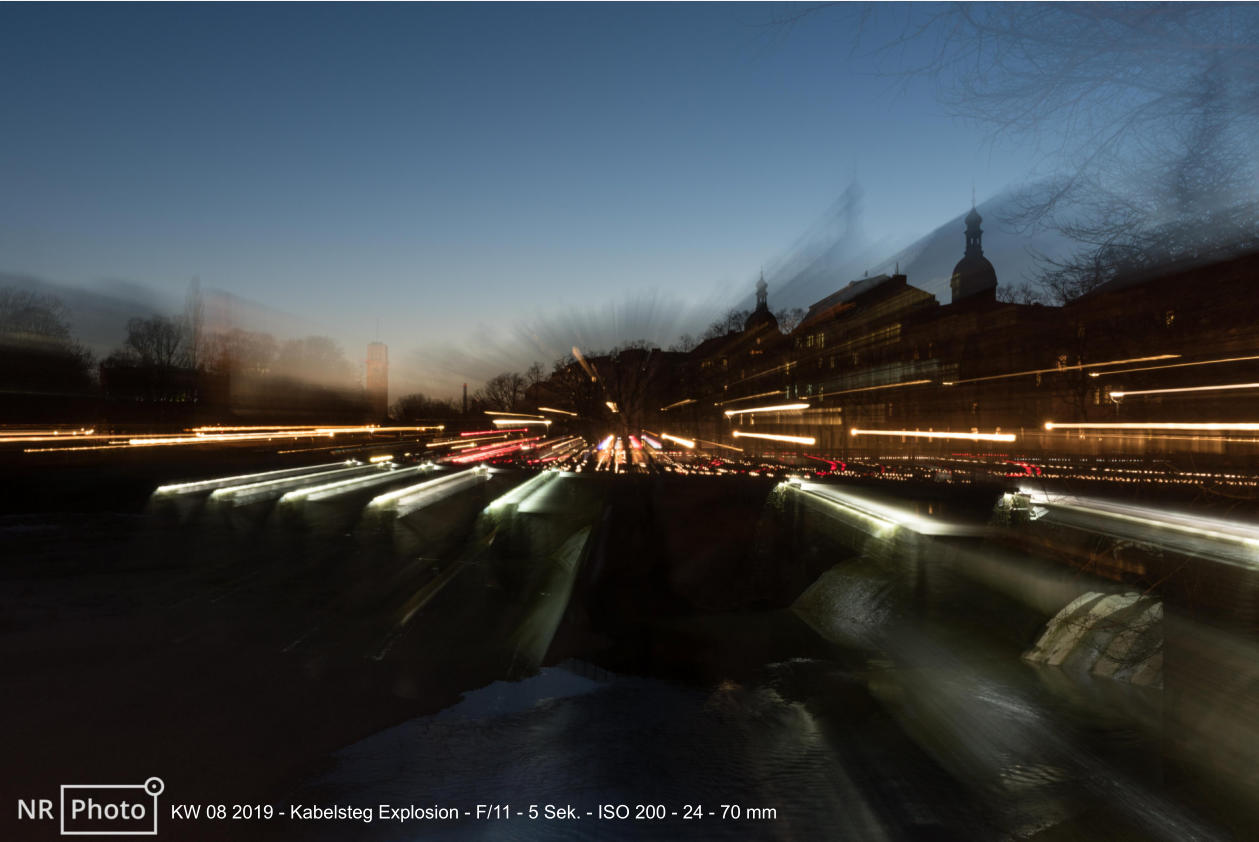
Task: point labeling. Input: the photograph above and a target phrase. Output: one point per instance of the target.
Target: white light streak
(782, 407)
(1149, 518)
(774, 437)
(931, 434)
(1216, 426)
(526, 489)
(333, 489)
(511, 422)
(221, 482)
(405, 500)
(1128, 394)
(880, 514)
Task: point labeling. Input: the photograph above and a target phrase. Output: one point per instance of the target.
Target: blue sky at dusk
(455, 171)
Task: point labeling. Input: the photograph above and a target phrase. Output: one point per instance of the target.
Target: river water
(942, 737)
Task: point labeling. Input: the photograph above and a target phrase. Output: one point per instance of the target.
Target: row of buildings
(1138, 364)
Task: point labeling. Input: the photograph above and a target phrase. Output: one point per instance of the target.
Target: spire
(974, 234)
(762, 293)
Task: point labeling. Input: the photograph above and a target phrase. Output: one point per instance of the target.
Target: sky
(449, 179)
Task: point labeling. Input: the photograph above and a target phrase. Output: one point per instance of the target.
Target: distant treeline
(168, 370)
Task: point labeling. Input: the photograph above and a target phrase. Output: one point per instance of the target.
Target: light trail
(511, 414)
(835, 464)
(880, 514)
(931, 434)
(333, 489)
(493, 451)
(243, 494)
(677, 404)
(687, 443)
(774, 437)
(557, 411)
(719, 444)
(206, 435)
(244, 479)
(1128, 394)
(577, 355)
(526, 489)
(259, 428)
(884, 386)
(461, 442)
(1151, 519)
(562, 448)
(1173, 365)
(782, 407)
(1207, 426)
(1061, 368)
(752, 397)
(545, 422)
(405, 500)
(1153, 437)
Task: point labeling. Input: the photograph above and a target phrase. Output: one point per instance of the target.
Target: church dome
(973, 274)
(760, 318)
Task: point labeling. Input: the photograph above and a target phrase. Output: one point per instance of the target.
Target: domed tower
(761, 318)
(973, 276)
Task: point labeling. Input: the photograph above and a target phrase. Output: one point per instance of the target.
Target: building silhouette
(880, 354)
(973, 275)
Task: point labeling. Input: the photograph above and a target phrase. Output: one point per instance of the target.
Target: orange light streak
(1063, 368)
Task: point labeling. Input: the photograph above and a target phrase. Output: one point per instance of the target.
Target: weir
(989, 652)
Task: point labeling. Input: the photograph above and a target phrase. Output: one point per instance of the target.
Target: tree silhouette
(38, 354)
(1143, 113)
(316, 360)
(156, 341)
(419, 407)
(504, 391)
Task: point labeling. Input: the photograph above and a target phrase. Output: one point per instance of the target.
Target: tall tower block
(378, 380)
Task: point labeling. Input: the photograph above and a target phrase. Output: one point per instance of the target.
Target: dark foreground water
(624, 655)
(836, 744)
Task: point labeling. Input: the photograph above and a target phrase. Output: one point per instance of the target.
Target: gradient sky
(455, 171)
